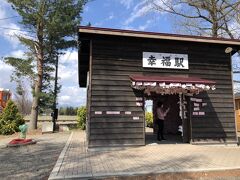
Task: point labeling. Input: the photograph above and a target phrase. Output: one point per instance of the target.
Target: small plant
(10, 119)
(81, 117)
(149, 119)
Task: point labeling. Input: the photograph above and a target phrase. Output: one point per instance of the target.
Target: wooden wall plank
(115, 58)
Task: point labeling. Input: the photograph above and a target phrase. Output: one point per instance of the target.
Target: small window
(237, 104)
(5, 97)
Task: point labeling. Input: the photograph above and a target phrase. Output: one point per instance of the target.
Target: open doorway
(174, 120)
(176, 91)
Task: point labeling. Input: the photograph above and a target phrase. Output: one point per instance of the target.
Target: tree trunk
(34, 110)
(213, 14)
(37, 91)
(38, 84)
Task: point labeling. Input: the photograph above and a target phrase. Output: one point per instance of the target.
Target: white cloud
(139, 10)
(145, 7)
(68, 71)
(86, 8)
(6, 71)
(17, 53)
(69, 57)
(72, 96)
(9, 28)
(68, 74)
(2, 13)
(145, 26)
(10, 34)
(3, 2)
(110, 17)
(127, 3)
(64, 99)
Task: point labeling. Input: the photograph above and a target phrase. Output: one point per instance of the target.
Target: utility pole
(55, 110)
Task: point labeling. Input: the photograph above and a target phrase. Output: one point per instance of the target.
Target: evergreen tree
(10, 119)
(52, 25)
(61, 112)
(82, 117)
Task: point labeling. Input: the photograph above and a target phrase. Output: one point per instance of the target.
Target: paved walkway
(76, 162)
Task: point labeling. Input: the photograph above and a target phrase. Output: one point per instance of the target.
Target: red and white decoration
(171, 85)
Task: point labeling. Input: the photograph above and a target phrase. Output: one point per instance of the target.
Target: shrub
(149, 119)
(10, 119)
(81, 117)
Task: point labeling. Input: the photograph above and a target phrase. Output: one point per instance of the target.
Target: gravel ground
(32, 161)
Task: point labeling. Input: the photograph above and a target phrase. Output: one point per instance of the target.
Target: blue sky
(124, 14)
(121, 14)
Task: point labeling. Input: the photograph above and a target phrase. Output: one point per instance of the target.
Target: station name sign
(165, 60)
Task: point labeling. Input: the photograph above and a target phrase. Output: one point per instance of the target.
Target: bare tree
(22, 98)
(216, 18)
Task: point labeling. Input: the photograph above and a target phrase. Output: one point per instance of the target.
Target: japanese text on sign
(165, 60)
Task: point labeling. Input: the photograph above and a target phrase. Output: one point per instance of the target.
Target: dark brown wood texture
(115, 58)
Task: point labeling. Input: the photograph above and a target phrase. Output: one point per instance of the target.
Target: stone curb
(58, 164)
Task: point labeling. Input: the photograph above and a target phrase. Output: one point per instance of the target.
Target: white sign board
(165, 60)
(113, 112)
(47, 127)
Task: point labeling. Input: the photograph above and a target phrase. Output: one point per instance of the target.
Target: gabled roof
(154, 35)
(92, 31)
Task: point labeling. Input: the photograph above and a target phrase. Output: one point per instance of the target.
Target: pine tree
(52, 25)
(10, 119)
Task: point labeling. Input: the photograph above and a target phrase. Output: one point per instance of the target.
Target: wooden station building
(121, 69)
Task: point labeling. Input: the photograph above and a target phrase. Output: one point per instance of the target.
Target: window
(237, 104)
(5, 97)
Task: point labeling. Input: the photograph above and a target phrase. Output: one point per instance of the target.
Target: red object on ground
(20, 141)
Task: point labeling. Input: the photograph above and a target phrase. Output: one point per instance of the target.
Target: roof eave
(128, 33)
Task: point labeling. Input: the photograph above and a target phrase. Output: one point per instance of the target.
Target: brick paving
(32, 161)
(77, 162)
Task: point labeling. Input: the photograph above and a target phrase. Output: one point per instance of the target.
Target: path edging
(58, 164)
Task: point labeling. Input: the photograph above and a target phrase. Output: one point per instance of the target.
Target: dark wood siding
(115, 58)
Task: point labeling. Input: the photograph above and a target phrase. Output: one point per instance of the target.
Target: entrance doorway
(175, 91)
(176, 126)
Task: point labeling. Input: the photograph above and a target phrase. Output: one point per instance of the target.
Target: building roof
(155, 35)
(84, 53)
(4, 90)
